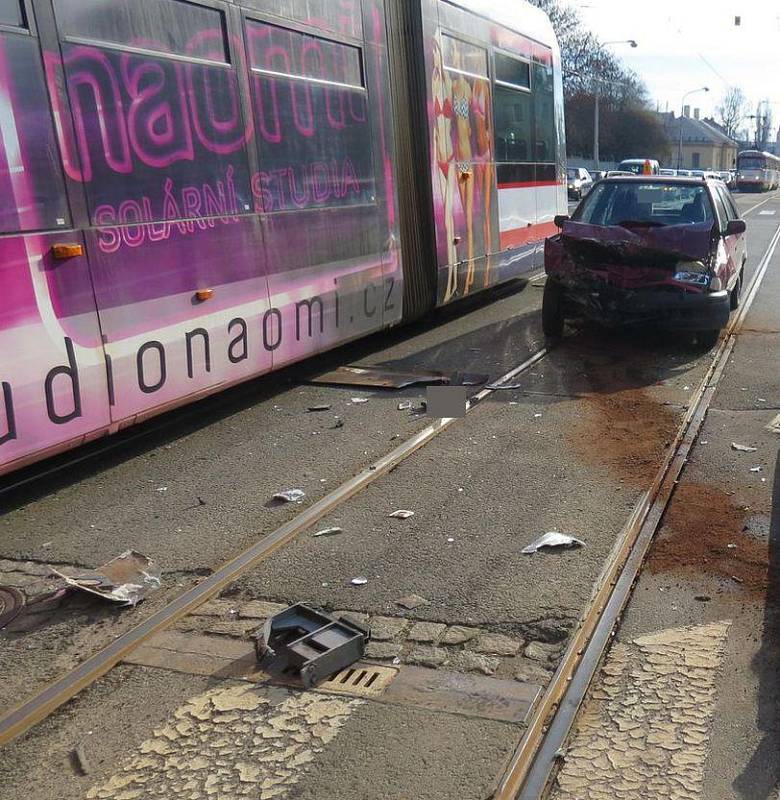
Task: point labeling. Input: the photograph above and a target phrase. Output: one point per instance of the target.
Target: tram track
(533, 763)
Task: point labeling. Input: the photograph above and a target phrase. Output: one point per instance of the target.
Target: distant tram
(198, 192)
(757, 171)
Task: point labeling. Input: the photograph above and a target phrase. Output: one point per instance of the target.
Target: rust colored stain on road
(625, 433)
(699, 527)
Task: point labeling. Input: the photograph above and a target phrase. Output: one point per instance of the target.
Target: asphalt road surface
(572, 449)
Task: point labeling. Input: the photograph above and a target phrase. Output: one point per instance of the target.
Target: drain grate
(360, 680)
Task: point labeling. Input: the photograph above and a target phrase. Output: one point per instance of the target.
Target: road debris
(731, 546)
(12, 603)
(743, 448)
(290, 496)
(379, 377)
(126, 579)
(359, 581)
(402, 513)
(702, 598)
(756, 469)
(308, 641)
(412, 601)
(774, 425)
(405, 406)
(328, 532)
(321, 407)
(552, 539)
(358, 400)
(339, 423)
(81, 763)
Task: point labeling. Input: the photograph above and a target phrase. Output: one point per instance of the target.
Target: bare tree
(731, 110)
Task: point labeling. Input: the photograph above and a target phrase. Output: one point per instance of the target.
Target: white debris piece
(328, 532)
(743, 448)
(358, 400)
(290, 495)
(405, 406)
(402, 514)
(755, 469)
(552, 539)
(359, 581)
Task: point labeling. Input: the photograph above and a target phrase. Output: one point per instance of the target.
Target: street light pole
(596, 106)
(682, 109)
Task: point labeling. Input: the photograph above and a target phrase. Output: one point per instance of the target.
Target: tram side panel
(53, 387)
(231, 232)
(494, 112)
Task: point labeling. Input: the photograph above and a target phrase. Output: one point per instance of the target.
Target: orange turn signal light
(204, 294)
(67, 250)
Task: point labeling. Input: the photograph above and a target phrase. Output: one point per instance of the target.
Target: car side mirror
(735, 227)
(559, 219)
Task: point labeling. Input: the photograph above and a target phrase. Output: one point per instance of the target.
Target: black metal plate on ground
(389, 378)
(12, 602)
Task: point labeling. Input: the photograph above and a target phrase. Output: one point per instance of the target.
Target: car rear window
(655, 204)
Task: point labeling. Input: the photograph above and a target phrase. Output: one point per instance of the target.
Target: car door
(731, 247)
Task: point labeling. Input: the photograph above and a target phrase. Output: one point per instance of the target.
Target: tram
(757, 171)
(197, 192)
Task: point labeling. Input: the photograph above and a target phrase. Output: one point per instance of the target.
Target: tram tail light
(63, 251)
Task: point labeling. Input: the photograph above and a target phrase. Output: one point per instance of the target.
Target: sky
(687, 44)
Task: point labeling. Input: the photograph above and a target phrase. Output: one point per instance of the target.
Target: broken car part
(552, 539)
(308, 642)
(126, 579)
(290, 496)
(388, 378)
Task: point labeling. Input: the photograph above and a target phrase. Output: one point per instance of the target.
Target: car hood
(654, 246)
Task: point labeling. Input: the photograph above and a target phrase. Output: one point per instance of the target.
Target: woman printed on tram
(441, 87)
(483, 162)
(461, 104)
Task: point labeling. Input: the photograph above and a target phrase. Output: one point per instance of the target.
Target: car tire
(708, 339)
(736, 294)
(553, 317)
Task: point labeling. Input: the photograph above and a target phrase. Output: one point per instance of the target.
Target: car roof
(673, 180)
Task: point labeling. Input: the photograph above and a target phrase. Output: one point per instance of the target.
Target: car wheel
(736, 294)
(708, 339)
(552, 309)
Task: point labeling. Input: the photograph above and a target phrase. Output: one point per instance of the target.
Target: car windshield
(752, 162)
(571, 173)
(645, 205)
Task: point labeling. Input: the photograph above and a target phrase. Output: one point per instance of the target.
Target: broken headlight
(693, 272)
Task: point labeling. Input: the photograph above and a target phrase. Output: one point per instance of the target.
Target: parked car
(647, 250)
(684, 173)
(696, 173)
(640, 166)
(670, 173)
(728, 178)
(579, 182)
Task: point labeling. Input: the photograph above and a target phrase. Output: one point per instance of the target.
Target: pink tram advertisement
(196, 193)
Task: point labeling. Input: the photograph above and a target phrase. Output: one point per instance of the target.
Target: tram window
(461, 56)
(512, 120)
(174, 27)
(12, 13)
(284, 52)
(512, 71)
(544, 114)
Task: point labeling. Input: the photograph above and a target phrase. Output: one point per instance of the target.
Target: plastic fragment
(290, 496)
(743, 448)
(359, 581)
(358, 400)
(402, 514)
(328, 532)
(731, 546)
(322, 407)
(552, 539)
(755, 469)
(405, 406)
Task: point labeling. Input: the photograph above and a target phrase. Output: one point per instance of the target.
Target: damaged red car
(651, 250)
